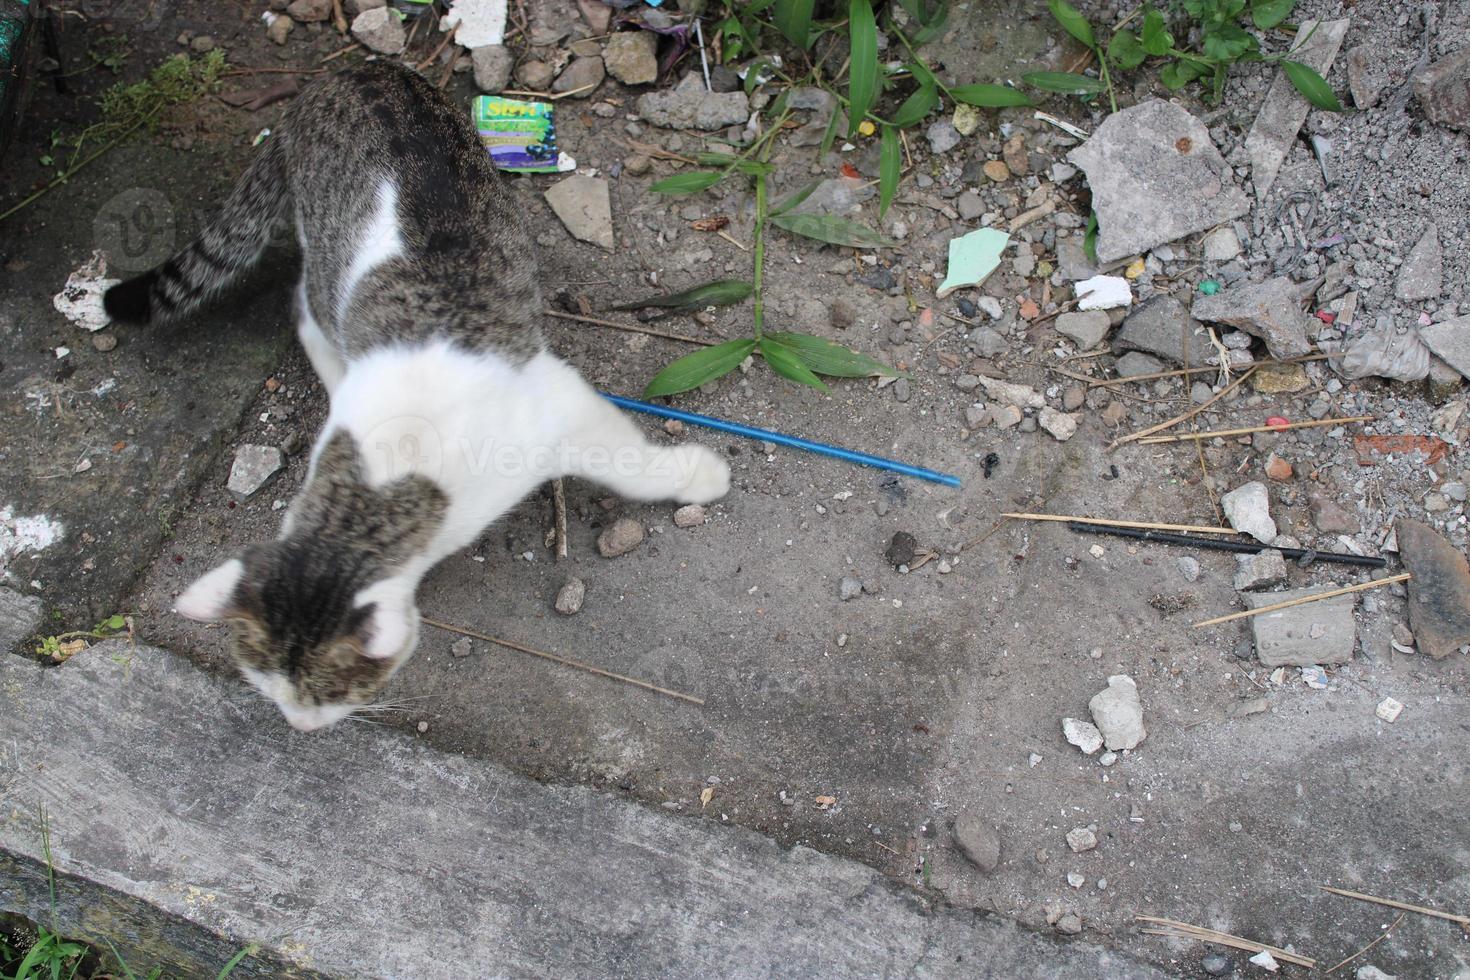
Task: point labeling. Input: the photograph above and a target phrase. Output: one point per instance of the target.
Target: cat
(418, 307)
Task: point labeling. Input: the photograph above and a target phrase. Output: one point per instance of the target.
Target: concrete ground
(930, 696)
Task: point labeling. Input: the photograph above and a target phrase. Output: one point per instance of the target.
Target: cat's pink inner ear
(212, 597)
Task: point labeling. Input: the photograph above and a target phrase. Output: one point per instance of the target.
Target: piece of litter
(1096, 551)
(1209, 287)
(1388, 709)
(972, 258)
(80, 300)
(521, 136)
(1062, 124)
(1266, 961)
(480, 22)
(1315, 677)
(1103, 293)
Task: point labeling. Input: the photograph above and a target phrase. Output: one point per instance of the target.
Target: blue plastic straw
(751, 432)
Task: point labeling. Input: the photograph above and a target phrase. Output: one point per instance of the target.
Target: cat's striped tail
(231, 243)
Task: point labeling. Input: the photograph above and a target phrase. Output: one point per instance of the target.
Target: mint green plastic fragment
(972, 258)
(1209, 287)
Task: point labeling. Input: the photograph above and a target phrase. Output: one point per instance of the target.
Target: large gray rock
(632, 57)
(1282, 113)
(1439, 592)
(1321, 632)
(1163, 327)
(380, 30)
(1443, 90)
(584, 207)
(1422, 274)
(689, 106)
(1155, 177)
(1271, 310)
(1118, 713)
(1450, 340)
(204, 808)
(20, 618)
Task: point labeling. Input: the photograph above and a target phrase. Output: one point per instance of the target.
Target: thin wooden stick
(551, 96)
(726, 236)
(1331, 593)
(1310, 424)
(1170, 423)
(1463, 920)
(628, 327)
(1204, 473)
(1183, 930)
(565, 662)
(559, 506)
(435, 53)
(339, 19)
(1110, 382)
(1146, 525)
(340, 52)
(1382, 936)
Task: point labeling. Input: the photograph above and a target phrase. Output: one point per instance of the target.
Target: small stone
(1161, 326)
(253, 468)
(103, 342)
(1061, 425)
(1086, 328)
(203, 44)
(422, 727)
(1118, 713)
(280, 28)
(1013, 152)
(901, 549)
(996, 170)
(1074, 396)
(690, 515)
(1107, 759)
(985, 342)
(1373, 973)
(1439, 592)
(942, 136)
(967, 119)
(573, 593)
(1082, 734)
(1081, 839)
(1070, 924)
(1389, 709)
(1189, 568)
(1135, 363)
(632, 57)
(1216, 964)
(637, 165)
(849, 588)
(1200, 392)
(1320, 632)
(1278, 469)
(970, 206)
(585, 208)
(842, 314)
(535, 75)
(1443, 90)
(1421, 276)
(1259, 571)
(1075, 880)
(492, 65)
(1009, 393)
(1331, 518)
(580, 79)
(1222, 245)
(978, 841)
(1266, 961)
(461, 648)
(1248, 509)
(1367, 74)
(622, 537)
(309, 11)
(380, 30)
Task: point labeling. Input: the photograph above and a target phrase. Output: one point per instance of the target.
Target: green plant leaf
(1125, 51)
(1155, 39)
(1312, 85)
(1266, 14)
(831, 229)
(784, 361)
(1063, 82)
(830, 135)
(236, 960)
(689, 182)
(720, 292)
(1089, 238)
(916, 106)
(794, 198)
(931, 21)
(1227, 42)
(754, 168)
(862, 69)
(890, 164)
(793, 18)
(922, 74)
(690, 372)
(113, 623)
(831, 359)
(1073, 22)
(1179, 74)
(988, 96)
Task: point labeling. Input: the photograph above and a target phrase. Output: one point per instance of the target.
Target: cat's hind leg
(319, 350)
(605, 446)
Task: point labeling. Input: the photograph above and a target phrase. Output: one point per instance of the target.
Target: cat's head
(323, 616)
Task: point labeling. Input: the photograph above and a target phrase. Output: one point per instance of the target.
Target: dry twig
(1186, 416)
(558, 314)
(1145, 525)
(559, 506)
(1381, 937)
(1331, 593)
(1247, 430)
(1462, 920)
(1183, 930)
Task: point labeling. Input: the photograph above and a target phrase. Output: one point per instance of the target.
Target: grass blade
(831, 359)
(1072, 22)
(783, 361)
(916, 106)
(689, 182)
(989, 96)
(793, 18)
(720, 292)
(831, 229)
(1089, 238)
(862, 71)
(690, 372)
(236, 960)
(890, 164)
(795, 198)
(1312, 86)
(1063, 82)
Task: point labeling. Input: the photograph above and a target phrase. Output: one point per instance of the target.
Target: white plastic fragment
(1388, 709)
(1103, 293)
(1266, 961)
(481, 22)
(80, 300)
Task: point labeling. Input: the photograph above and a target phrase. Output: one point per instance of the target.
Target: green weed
(62, 646)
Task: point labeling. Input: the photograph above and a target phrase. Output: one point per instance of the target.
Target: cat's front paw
(706, 476)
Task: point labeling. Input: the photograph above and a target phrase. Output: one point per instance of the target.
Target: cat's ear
(212, 597)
